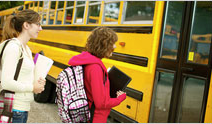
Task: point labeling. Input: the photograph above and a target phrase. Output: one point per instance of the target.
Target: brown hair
(14, 23)
(100, 42)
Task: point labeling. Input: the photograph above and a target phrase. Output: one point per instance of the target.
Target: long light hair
(14, 23)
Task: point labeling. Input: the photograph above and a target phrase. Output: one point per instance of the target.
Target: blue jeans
(19, 117)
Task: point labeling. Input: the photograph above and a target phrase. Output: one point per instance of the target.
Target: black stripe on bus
(137, 60)
(118, 29)
(120, 118)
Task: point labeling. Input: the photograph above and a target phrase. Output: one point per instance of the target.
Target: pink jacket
(96, 90)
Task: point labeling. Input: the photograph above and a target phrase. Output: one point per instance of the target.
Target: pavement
(43, 113)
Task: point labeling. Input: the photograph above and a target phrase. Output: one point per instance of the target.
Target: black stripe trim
(137, 60)
(118, 29)
(51, 79)
(134, 93)
(117, 116)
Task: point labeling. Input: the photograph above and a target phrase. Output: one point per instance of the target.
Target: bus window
(45, 9)
(53, 4)
(139, 12)
(51, 13)
(79, 13)
(59, 14)
(43, 22)
(93, 1)
(51, 17)
(36, 3)
(93, 12)
(31, 5)
(80, 2)
(70, 3)
(3, 18)
(46, 5)
(40, 9)
(27, 6)
(111, 13)
(0, 22)
(41, 4)
(69, 12)
(36, 6)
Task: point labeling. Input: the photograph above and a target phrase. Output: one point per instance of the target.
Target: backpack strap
(6, 42)
(18, 68)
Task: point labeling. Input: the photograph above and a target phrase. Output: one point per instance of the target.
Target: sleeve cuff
(122, 97)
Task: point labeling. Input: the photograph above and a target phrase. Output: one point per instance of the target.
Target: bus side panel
(208, 113)
(143, 110)
(135, 44)
(76, 38)
(143, 83)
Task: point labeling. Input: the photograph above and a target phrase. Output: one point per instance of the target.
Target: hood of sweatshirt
(85, 58)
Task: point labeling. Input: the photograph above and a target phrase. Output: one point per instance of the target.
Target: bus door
(184, 63)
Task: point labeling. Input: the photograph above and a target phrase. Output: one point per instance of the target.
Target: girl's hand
(119, 93)
(42, 81)
(39, 85)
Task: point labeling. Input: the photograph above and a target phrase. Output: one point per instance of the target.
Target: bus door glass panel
(93, 12)
(172, 30)
(139, 12)
(111, 12)
(79, 13)
(201, 34)
(162, 97)
(192, 100)
(69, 12)
(59, 15)
(51, 12)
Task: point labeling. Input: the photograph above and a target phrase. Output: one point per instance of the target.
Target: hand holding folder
(42, 66)
(118, 81)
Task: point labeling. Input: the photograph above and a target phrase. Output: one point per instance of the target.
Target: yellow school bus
(164, 46)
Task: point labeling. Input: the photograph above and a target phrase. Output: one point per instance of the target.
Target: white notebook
(42, 66)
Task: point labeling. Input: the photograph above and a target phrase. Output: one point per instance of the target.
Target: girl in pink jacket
(100, 44)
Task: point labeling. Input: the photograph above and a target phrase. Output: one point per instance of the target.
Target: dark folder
(118, 81)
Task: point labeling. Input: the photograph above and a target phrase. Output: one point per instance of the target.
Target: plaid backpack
(71, 98)
(7, 97)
